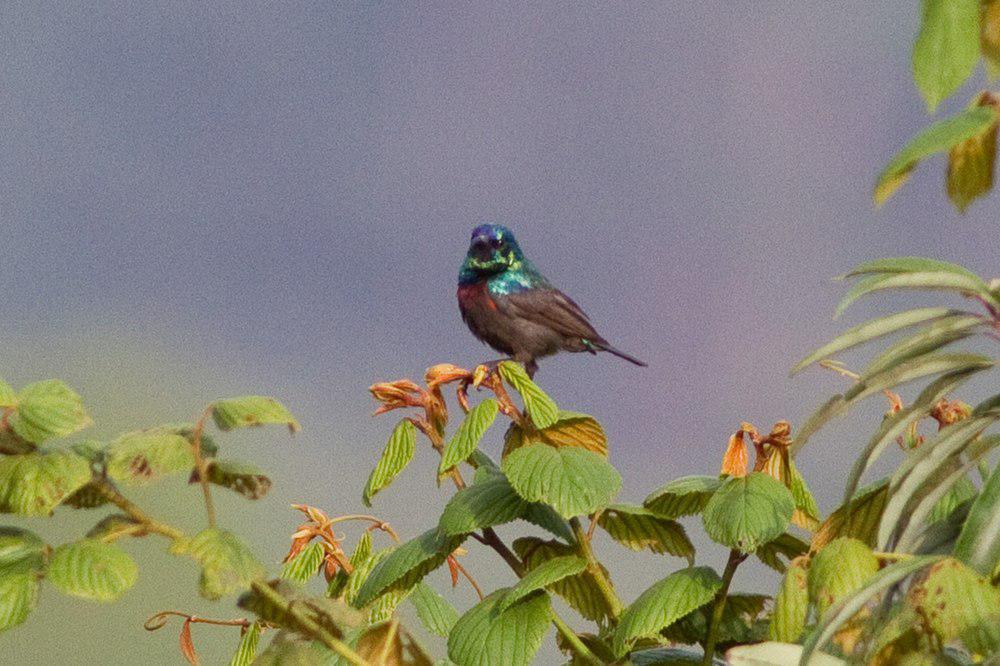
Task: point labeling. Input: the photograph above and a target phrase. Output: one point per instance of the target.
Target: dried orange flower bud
(400, 393)
(735, 462)
(948, 412)
(444, 373)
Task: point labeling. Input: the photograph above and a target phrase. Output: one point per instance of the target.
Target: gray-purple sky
(206, 199)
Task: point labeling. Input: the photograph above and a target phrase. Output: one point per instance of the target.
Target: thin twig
(202, 466)
(112, 494)
(615, 605)
(735, 558)
(159, 619)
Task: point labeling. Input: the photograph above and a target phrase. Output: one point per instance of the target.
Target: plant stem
(111, 493)
(202, 466)
(307, 624)
(735, 559)
(615, 605)
(575, 641)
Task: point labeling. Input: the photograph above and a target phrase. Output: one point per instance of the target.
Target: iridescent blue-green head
(493, 250)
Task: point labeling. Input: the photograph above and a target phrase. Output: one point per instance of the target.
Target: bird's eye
(496, 243)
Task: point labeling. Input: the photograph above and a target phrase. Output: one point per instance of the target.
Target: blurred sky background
(200, 201)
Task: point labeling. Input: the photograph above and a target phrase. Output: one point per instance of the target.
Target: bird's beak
(481, 248)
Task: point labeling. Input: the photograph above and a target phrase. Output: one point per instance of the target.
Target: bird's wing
(551, 308)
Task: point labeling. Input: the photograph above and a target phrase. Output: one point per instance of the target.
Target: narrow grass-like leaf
(929, 280)
(872, 330)
(946, 49)
(978, 544)
(92, 570)
(791, 605)
(146, 455)
(47, 409)
(437, 615)
(684, 496)
(664, 603)
(485, 636)
(397, 455)
(907, 265)
(252, 410)
(571, 480)
(936, 335)
(407, 564)
(936, 138)
(33, 484)
(829, 410)
(227, 565)
(305, 564)
(638, 528)
(471, 430)
(917, 368)
(246, 651)
(489, 502)
(747, 512)
(540, 406)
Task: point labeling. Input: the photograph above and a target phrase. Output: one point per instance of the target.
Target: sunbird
(509, 305)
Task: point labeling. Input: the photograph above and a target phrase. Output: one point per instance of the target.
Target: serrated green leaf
(407, 564)
(638, 528)
(247, 648)
(145, 455)
(113, 527)
(92, 570)
(571, 480)
(437, 615)
(685, 496)
(362, 568)
(383, 607)
(957, 603)
(917, 368)
(946, 49)
(541, 408)
(581, 591)
(859, 518)
(787, 545)
(305, 564)
(251, 410)
(842, 611)
(872, 330)
(47, 409)
(542, 576)
(21, 552)
(18, 597)
(467, 437)
(227, 565)
(33, 484)
(570, 429)
(490, 502)
(397, 455)
(971, 162)
(978, 543)
(240, 477)
(486, 637)
(936, 138)
(8, 396)
(839, 569)
(791, 605)
(806, 513)
(773, 653)
(548, 519)
(664, 603)
(747, 512)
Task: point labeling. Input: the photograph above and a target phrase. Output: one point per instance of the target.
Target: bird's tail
(620, 354)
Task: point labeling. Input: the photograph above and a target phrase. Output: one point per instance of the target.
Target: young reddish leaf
(187, 645)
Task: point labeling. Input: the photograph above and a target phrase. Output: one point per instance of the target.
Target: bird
(510, 306)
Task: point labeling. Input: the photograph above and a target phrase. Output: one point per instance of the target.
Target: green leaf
(930, 280)
(33, 484)
(247, 649)
(931, 338)
(638, 528)
(947, 48)
(664, 603)
(541, 408)
(436, 614)
(467, 437)
(571, 480)
(871, 330)
(570, 429)
(839, 569)
(305, 564)
(140, 457)
(917, 368)
(407, 564)
(397, 455)
(806, 513)
(963, 491)
(959, 604)
(791, 606)
(747, 512)
(92, 570)
(240, 477)
(486, 637)
(484, 504)
(21, 552)
(777, 654)
(227, 566)
(907, 265)
(251, 410)
(859, 518)
(978, 543)
(47, 409)
(549, 520)
(8, 396)
(971, 162)
(362, 568)
(581, 591)
(829, 410)
(685, 496)
(936, 138)
(18, 597)
(787, 545)
(545, 574)
(842, 611)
